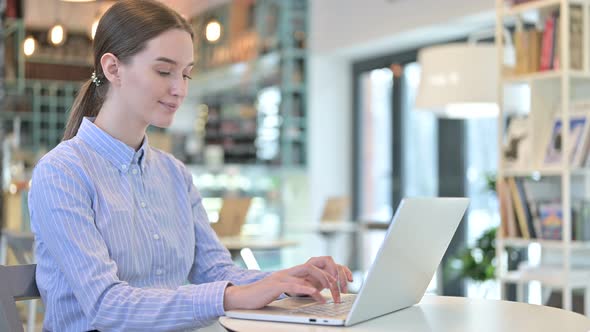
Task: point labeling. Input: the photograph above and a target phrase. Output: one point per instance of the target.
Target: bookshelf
(556, 71)
(37, 94)
(251, 83)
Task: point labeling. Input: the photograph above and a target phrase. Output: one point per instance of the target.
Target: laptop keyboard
(328, 309)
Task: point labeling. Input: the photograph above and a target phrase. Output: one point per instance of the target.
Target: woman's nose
(179, 87)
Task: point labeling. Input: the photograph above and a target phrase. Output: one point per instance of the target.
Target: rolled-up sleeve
(61, 204)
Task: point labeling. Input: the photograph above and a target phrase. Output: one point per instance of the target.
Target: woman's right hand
(303, 279)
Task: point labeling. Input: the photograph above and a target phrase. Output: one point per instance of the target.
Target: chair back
(17, 283)
(20, 243)
(336, 209)
(232, 216)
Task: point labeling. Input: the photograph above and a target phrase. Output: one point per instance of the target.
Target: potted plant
(476, 262)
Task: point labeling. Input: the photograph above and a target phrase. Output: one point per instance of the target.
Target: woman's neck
(118, 122)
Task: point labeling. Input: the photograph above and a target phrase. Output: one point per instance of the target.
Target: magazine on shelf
(578, 140)
(551, 219)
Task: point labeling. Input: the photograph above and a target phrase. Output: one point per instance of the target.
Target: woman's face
(155, 81)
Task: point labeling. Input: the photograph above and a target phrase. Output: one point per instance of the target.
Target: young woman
(122, 240)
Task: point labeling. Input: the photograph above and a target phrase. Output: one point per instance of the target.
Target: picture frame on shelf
(516, 149)
(579, 128)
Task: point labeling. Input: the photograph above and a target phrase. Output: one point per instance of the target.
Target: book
(527, 44)
(519, 208)
(575, 40)
(547, 43)
(508, 223)
(535, 218)
(535, 223)
(525, 205)
(581, 220)
(556, 51)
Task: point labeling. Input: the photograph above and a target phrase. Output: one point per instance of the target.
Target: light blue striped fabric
(122, 240)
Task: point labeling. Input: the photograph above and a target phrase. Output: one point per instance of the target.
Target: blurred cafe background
(307, 121)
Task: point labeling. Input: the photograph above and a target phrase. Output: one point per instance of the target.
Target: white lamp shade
(459, 80)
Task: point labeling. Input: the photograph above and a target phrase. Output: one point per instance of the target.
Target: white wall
(342, 31)
(330, 129)
(337, 25)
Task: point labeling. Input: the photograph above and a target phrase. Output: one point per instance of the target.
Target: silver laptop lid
(414, 245)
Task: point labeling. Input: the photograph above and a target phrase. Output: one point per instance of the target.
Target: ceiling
(79, 16)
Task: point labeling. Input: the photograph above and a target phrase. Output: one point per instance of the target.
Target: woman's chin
(163, 123)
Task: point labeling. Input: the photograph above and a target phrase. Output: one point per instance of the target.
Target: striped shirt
(123, 242)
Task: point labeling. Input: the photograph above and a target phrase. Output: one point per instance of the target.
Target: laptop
(414, 245)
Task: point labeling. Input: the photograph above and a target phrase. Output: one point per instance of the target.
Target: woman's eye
(164, 73)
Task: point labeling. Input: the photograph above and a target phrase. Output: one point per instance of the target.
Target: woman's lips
(169, 106)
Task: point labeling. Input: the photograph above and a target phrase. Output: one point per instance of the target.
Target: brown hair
(124, 31)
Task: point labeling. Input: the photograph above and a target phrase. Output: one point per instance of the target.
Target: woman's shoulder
(169, 162)
(166, 159)
(63, 157)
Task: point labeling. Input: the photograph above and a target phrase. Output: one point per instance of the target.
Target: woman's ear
(110, 67)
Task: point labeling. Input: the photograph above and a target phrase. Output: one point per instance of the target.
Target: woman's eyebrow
(172, 62)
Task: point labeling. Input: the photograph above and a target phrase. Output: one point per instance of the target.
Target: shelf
(549, 244)
(77, 62)
(293, 88)
(536, 5)
(549, 276)
(536, 172)
(9, 115)
(545, 76)
(254, 70)
(241, 136)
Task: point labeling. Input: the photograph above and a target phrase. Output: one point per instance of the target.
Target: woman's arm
(62, 219)
(254, 289)
(212, 260)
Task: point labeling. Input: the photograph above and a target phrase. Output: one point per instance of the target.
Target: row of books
(538, 50)
(526, 218)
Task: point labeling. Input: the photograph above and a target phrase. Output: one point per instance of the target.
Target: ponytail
(87, 103)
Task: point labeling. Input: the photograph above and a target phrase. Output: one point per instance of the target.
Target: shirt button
(143, 204)
(124, 167)
(134, 171)
(159, 272)
(156, 237)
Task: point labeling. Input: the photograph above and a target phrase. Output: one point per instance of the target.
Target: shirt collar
(118, 153)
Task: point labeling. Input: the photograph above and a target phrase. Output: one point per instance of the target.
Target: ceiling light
(57, 35)
(93, 28)
(29, 46)
(459, 80)
(213, 31)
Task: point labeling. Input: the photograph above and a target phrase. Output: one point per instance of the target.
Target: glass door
(375, 164)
